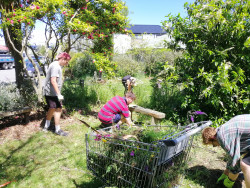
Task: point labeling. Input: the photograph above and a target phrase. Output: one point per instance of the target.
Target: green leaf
(247, 42)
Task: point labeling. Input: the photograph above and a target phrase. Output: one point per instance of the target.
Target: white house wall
(122, 43)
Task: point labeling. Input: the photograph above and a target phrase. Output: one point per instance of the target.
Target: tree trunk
(18, 46)
(17, 58)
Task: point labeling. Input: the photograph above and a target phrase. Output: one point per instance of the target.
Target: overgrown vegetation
(214, 69)
(210, 74)
(80, 65)
(98, 93)
(154, 59)
(11, 98)
(126, 65)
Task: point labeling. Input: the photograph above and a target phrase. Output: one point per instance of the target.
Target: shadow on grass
(206, 177)
(15, 159)
(95, 183)
(29, 156)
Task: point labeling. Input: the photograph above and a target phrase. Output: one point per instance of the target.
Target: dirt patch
(15, 128)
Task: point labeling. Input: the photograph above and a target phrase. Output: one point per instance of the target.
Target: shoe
(45, 130)
(61, 133)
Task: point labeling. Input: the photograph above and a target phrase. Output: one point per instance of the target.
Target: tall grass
(94, 95)
(98, 93)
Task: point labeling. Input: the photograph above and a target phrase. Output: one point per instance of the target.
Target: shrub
(167, 99)
(215, 66)
(154, 59)
(81, 65)
(128, 66)
(12, 98)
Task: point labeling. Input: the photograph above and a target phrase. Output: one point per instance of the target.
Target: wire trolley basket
(128, 163)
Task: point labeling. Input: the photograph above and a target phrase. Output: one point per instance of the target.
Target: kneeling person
(116, 111)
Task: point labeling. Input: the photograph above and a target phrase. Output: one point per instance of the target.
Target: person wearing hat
(234, 138)
(52, 92)
(128, 83)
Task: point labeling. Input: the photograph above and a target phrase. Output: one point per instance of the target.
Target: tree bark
(18, 46)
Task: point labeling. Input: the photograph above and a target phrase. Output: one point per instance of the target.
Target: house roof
(150, 29)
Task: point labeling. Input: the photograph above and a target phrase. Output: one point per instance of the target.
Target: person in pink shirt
(116, 111)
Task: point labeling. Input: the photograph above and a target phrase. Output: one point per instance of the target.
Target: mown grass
(47, 160)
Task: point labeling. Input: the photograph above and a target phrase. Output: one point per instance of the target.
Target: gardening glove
(228, 183)
(60, 97)
(222, 177)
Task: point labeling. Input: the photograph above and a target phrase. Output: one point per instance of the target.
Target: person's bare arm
(55, 85)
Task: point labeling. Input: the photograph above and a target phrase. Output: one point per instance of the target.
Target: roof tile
(149, 29)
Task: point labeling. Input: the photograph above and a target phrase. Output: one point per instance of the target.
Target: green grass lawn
(47, 160)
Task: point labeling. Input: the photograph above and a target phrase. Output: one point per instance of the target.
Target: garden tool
(222, 177)
(93, 129)
(5, 184)
(228, 183)
(101, 132)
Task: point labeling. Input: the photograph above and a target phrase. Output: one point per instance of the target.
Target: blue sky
(150, 12)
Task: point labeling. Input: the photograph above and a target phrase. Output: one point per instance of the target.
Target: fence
(128, 163)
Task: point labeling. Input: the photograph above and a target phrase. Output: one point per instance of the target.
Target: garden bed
(156, 159)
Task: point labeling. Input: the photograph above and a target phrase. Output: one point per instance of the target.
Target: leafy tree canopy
(215, 67)
(96, 20)
(66, 21)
